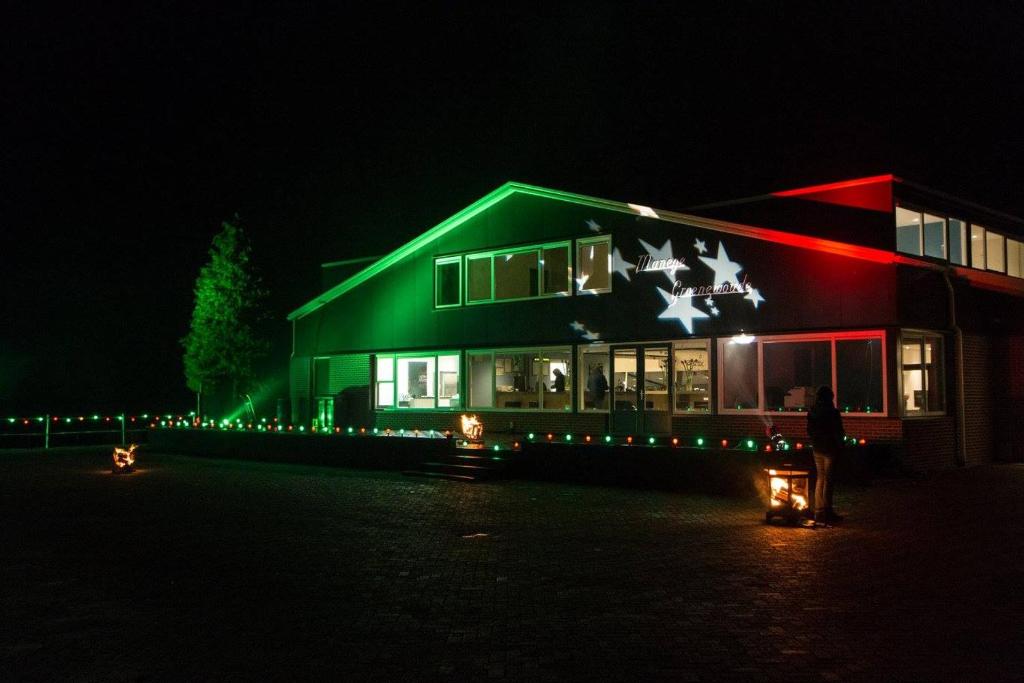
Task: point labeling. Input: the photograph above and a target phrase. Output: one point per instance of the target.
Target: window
(448, 281)
(908, 231)
(739, 373)
(594, 264)
(921, 374)
(994, 256)
(977, 247)
(691, 361)
(593, 386)
(556, 269)
(793, 371)
(783, 373)
(424, 381)
(958, 241)
(385, 379)
(478, 269)
(859, 375)
(1014, 258)
(515, 275)
(934, 236)
(481, 374)
(524, 379)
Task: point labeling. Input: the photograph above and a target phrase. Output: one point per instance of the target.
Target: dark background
(130, 132)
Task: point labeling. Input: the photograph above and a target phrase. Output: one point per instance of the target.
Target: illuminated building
(704, 324)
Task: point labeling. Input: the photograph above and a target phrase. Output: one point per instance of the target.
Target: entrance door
(640, 389)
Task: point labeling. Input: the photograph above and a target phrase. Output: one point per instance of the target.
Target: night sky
(336, 132)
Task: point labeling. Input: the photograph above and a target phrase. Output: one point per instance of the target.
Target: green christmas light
(700, 441)
(530, 436)
(608, 438)
(750, 443)
(568, 437)
(650, 440)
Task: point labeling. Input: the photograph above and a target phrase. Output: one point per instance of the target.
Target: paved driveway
(216, 569)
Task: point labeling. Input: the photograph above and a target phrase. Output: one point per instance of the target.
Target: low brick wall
(376, 453)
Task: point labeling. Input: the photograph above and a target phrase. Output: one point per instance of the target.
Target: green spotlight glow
(302, 428)
(568, 437)
(608, 438)
(750, 443)
(650, 440)
(700, 441)
(530, 436)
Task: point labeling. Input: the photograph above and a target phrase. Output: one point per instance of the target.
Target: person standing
(825, 427)
(597, 386)
(559, 385)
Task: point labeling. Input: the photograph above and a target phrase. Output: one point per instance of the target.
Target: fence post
(46, 432)
(123, 442)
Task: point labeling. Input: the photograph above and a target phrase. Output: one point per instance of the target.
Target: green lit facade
(705, 324)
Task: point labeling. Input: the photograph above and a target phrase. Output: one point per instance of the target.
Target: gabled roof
(512, 188)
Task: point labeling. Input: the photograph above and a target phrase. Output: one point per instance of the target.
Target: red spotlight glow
(550, 437)
(675, 441)
(629, 439)
(799, 446)
(587, 438)
(725, 443)
(862, 441)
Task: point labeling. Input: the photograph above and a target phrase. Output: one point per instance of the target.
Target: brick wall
(499, 422)
(930, 443)
(978, 398)
(792, 426)
(1008, 359)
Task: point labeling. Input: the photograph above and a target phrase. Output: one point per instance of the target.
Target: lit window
(533, 379)
(859, 375)
(908, 231)
(739, 374)
(793, 371)
(515, 275)
(994, 257)
(481, 380)
(416, 384)
(934, 236)
(691, 361)
(594, 264)
(922, 374)
(448, 382)
(385, 376)
(1014, 258)
(977, 247)
(957, 241)
(448, 281)
(594, 387)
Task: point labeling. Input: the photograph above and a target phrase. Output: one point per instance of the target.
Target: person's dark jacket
(825, 427)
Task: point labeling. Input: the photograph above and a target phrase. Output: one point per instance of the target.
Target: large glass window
(479, 275)
(994, 252)
(593, 377)
(934, 236)
(448, 382)
(977, 247)
(739, 374)
(556, 269)
(557, 384)
(532, 379)
(793, 371)
(958, 241)
(908, 231)
(448, 281)
(859, 375)
(515, 275)
(783, 373)
(416, 384)
(1014, 258)
(691, 361)
(594, 264)
(922, 374)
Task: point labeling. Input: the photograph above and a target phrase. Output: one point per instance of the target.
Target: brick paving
(230, 570)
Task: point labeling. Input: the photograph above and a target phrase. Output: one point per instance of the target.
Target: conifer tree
(224, 343)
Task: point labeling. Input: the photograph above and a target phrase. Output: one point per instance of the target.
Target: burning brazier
(124, 460)
(788, 482)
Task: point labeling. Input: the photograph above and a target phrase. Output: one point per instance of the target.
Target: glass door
(640, 390)
(626, 417)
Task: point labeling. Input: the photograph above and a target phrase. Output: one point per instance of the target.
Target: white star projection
(681, 309)
(591, 336)
(593, 225)
(712, 309)
(577, 326)
(664, 254)
(621, 265)
(754, 297)
(725, 270)
(700, 246)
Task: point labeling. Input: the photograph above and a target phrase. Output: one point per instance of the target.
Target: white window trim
(570, 383)
(582, 242)
(899, 374)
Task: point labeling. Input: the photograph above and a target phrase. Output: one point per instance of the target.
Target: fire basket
(124, 460)
(788, 483)
(472, 428)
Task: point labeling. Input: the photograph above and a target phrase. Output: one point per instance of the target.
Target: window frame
(921, 335)
(538, 249)
(441, 261)
(587, 241)
(395, 356)
(831, 337)
(712, 377)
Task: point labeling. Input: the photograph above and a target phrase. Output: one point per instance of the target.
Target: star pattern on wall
(621, 265)
(725, 270)
(754, 297)
(680, 308)
(700, 246)
(593, 225)
(664, 253)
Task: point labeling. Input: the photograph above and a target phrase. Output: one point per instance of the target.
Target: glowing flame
(781, 495)
(472, 427)
(124, 458)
